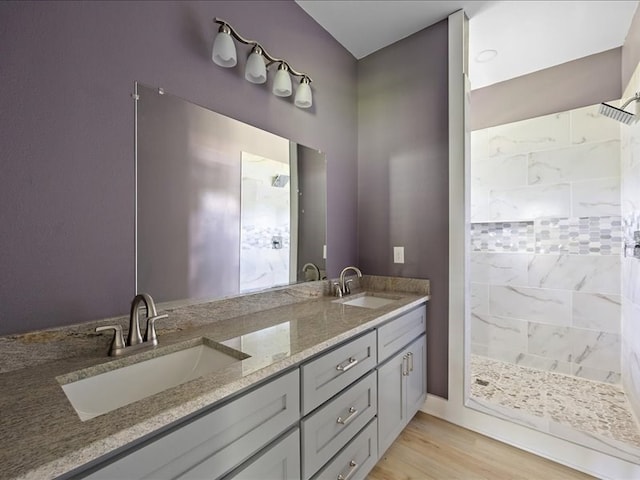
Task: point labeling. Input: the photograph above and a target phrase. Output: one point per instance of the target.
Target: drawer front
(399, 332)
(325, 376)
(212, 445)
(331, 427)
(357, 459)
(280, 461)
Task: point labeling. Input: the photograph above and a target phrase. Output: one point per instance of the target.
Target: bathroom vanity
(323, 389)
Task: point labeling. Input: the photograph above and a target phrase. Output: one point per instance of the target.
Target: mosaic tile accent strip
(594, 408)
(503, 237)
(579, 236)
(575, 236)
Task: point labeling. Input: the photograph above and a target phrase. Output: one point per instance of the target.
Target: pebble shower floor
(594, 408)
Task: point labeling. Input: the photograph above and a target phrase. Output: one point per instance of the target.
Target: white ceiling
(528, 35)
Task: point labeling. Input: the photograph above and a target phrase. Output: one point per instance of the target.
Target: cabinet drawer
(325, 376)
(213, 444)
(397, 333)
(331, 427)
(357, 459)
(280, 461)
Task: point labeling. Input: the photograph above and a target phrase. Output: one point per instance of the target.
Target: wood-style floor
(432, 449)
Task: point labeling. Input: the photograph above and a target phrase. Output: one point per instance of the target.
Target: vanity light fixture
(224, 54)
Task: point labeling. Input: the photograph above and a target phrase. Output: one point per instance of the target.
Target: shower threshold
(593, 414)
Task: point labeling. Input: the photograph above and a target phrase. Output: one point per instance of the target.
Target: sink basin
(368, 300)
(93, 396)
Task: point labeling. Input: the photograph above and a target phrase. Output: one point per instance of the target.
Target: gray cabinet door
(391, 400)
(280, 461)
(217, 442)
(417, 377)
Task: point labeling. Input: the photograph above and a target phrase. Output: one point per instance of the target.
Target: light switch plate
(398, 254)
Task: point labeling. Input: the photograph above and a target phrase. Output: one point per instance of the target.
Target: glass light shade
(224, 50)
(255, 71)
(282, 82)
(303, 98)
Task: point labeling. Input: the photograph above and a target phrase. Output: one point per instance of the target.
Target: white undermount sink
(368, 300)
(102, 393)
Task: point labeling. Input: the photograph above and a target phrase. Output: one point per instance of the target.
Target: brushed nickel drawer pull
(405, 372)
(352, 413)
(353, 467)
(410, 355)
(352, 362)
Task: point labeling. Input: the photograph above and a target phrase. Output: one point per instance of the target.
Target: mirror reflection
(222, 207)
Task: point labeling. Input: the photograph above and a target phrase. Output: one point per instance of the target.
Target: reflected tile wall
(546, 242)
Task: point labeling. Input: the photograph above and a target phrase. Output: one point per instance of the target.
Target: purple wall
(403, 160)
(575, 84)
(66, 123)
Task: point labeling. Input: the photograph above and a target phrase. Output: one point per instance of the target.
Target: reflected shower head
(280, 181)
(620, 114)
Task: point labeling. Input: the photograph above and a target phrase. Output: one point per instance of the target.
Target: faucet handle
(337, 291)
(117, 343)
(347, 288)
(150, 333)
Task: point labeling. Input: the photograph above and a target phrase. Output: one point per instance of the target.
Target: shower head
(620, 114)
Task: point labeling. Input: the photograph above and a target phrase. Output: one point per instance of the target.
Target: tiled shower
(555, 320)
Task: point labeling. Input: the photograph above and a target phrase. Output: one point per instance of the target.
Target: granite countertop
(43, 437)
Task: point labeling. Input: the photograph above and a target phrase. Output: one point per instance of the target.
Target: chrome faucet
(134, 338)
(342, 287)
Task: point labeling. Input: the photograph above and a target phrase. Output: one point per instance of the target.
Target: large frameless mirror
(222, 207)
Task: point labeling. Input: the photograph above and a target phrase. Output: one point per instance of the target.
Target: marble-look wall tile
(542, 363)
(630, 184)
(587, 125)
(606, 376)
(479, 204)
(631, 353)
(499, 332)
(541, 133)
(479, 144)
(550, 341)
(630, 146)
(631, 280)
(528, 203)
(535, 304)
(597, 311)
(595, 349)
(582, 273)
(499, 172)
(596, 198)
(583, 162)
(500, 268)
(479, 302)
(477, 349)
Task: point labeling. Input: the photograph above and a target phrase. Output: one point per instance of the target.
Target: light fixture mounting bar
(271, 59)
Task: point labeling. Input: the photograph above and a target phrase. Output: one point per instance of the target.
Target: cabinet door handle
(353, 467)
(343, 367)
(410, 361)
(405, 371)
(352, 413)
